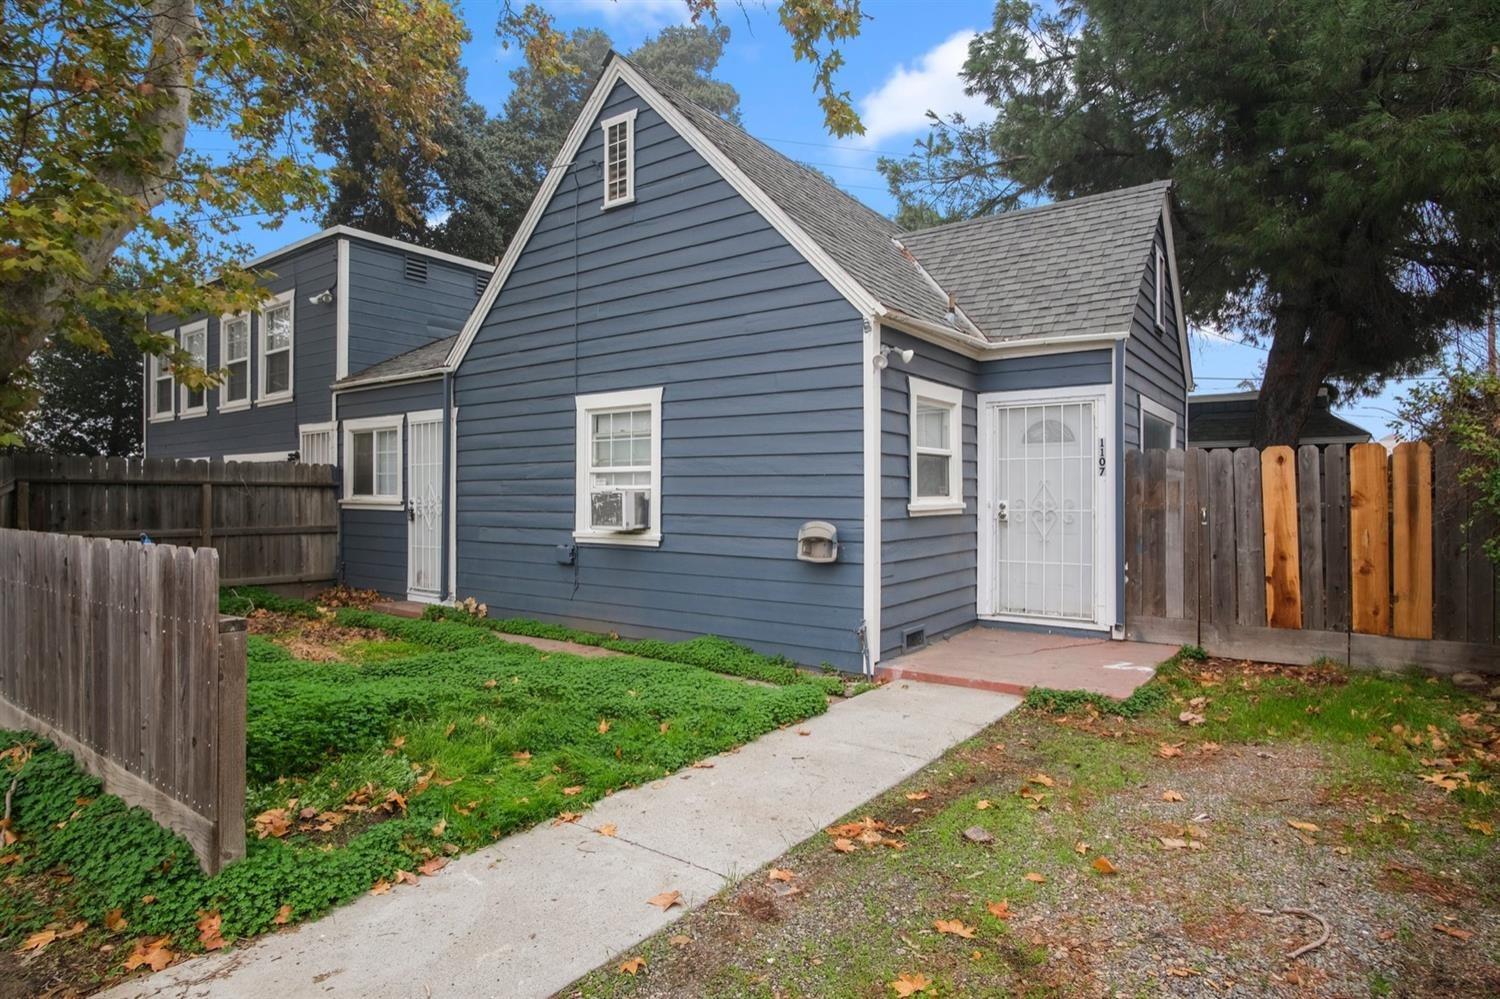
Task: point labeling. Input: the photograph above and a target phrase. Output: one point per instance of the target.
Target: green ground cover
(423, 739)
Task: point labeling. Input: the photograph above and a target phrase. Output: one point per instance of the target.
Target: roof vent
(416, 269)
(481, 282)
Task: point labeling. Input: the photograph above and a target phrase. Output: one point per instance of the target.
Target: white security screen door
(1047, 486)
(425, 506)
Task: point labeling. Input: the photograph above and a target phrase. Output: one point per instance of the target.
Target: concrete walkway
(531, 913)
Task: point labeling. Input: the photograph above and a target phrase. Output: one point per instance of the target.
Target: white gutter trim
(407, 376)
(369, 237)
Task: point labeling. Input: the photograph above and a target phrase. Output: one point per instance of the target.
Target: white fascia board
(980, 349)
(369, 237)
(426, 374)
(341, 311)
(1182, 323)
(615, 72)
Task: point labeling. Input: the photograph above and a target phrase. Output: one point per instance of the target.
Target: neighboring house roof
(368, 237)
(1071, 268)
(424, 360)
(1228, 420)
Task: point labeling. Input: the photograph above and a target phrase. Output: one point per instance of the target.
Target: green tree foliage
(470, 199)
(140, 133)
(1337, 172)
(89, 395)
(1462, 409)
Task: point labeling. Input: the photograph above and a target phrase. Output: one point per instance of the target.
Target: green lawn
(421, 740)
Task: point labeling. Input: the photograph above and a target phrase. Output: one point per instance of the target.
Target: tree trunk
(1300, 360)
(171, 69)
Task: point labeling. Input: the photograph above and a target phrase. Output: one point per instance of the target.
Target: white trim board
(1106, 561)
(369, 237)
(1146, 404)
(341, 312)
(1182, 323)
(870, 392)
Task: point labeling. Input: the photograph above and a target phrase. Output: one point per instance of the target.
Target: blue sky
(905, 61)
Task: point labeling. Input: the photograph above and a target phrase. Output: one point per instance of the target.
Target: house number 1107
(1101, 456)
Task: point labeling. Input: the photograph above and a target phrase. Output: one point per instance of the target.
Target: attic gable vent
(481, 282)
(416, 269)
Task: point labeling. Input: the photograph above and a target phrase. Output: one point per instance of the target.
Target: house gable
(1157, 366)
(689, 288)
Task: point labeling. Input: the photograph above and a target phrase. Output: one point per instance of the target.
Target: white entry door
(424, 506)
(1049, 554)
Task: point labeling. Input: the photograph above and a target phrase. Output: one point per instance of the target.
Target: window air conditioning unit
(620, 510)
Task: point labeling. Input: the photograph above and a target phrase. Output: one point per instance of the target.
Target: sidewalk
(531, 913)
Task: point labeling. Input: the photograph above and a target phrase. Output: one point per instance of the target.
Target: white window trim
(583, 461)
(184, 411)
(258, 456)
(628, 119)
(155, 374)
(234, 405)
(317, 428)
(1161, 300)
(1159, 411)
(355, 502)
(953, 398)
(262, 397)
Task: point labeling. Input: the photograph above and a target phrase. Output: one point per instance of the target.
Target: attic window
(416, 269)
(481, 282)
(619, 159)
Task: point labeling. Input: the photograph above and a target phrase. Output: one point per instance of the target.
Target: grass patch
(243, 600)
(708, 651)
(440, 742)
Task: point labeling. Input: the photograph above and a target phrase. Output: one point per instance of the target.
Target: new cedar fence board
(272, 523)
(116, 652)
(1318, 553)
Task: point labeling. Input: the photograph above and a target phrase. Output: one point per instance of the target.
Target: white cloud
(899, 106)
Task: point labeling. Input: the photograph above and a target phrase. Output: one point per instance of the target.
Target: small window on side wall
(618, 456)
(1161, 290)
(1158, 426)
(372, 461)
(936, 436)
(619, 159)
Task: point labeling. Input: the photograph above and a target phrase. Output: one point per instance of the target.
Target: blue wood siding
(687, 288)
(374, 542)
(265, 427)
(929, 565)
(390, 313)
(1153, 357)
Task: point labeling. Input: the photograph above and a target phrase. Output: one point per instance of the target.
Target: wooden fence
(1291, 556)
(117, 653)
(272, 523)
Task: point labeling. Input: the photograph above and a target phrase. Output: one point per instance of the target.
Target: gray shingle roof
(428, 357)
(857, 237)
(1071, 268)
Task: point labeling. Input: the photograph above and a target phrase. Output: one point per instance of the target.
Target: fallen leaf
(398, 742)
(608, 829)
(1036, 878)
(803, 731)
(490, 684)
(918, 795)
(978, 834)
(954, 927)
(431, 866)
(406, 878)
(1480, 826)
(1170, 796)
(1172, 843)
(680, 940)
(380, 887)
(39, 940)
(633, 966)
(779, 874)
(154, 954)
(1000, 909)
(603, 726)
(981, 804)
(1168, 750)
(703, 765)
(283, 915)
(449, 730)
(208, 931)
(440, 828)
(571, 791)
(563, 818)
(1103, 866)
(910, 983)
(1453, 931)
(665, 900)
(1302, 826)
(1043, 780)
(273, 822)
(1190, 718)
(844, 846)
(115, 921)
(662, 728)
(1080, 848)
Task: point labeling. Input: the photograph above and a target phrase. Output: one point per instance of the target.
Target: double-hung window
(372, 461)
(619, 467)
(936, 433)
(234, 358)
(619, 159)
(163, 388)
(276, 350)
(194, 340)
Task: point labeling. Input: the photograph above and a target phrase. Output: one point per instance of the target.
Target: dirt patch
(319, 641)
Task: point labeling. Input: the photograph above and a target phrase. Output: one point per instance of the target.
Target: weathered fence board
(1299, 555)
(116, 652)
(271, 522)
